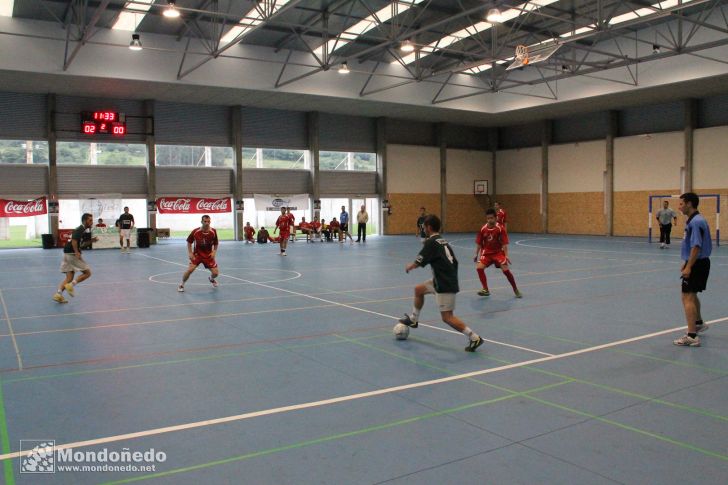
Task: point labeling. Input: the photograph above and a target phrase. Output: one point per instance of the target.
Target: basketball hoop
(522, 54)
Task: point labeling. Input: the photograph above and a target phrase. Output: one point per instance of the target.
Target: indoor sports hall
(180, 352)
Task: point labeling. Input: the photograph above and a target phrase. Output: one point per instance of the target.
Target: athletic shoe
(181, 288)
(687, 341)
(284, 254)
(701, 328)
(484, 292)
(474, 344)
(69, 288)
(662, 246)
(214, 282)
(518, 294)
(407, 320)
(59, 298)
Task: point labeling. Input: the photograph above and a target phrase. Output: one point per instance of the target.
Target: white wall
(647, 162)
(466, 166)
(518, 171)
(577, 167)
(413, 169)
(710, 158)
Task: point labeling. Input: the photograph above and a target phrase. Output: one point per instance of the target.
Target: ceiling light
(494, 16)
(135, 44)
(344, 68)
(171, 11)
(407, 46)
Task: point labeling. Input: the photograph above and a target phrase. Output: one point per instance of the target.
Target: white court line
(347, 306)
(350, 397)
(12, 333)
(627, 253)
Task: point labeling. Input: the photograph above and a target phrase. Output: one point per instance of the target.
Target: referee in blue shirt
(695, 253)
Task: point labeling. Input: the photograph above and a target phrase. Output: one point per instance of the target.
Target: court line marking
(176, 283)
(522, 242)
(341, 304)
(12, 333)
(351, 397)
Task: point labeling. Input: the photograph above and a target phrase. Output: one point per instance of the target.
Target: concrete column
(493, 146)
(381, 149)
(312, 122)
(691, 122)
(237, 139)
(150, 142)
(442, 143)
(52, 163)
(546, 130)
(612, 133)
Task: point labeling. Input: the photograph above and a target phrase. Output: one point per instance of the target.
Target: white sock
(470, 334)
(415, 313)
(74, 282)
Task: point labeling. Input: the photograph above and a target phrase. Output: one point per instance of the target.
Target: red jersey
(500, 217)
(334, 225)
(316, 225)
(492, 239)
(304, 225)
(292, 218)
(284, 223)
(203, 241)
(249, 231)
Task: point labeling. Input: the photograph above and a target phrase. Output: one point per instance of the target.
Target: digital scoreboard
(103, 123)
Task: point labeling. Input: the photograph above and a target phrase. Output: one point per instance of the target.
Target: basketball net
(522, 54)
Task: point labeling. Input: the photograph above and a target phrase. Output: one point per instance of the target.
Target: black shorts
(345, 227)
(698, 279)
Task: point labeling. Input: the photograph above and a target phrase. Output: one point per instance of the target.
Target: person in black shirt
(421, 224)
(263, 236)
(444, 283)
(72, 259)
(126, 224)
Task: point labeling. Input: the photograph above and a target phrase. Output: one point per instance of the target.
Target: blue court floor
(288, 373)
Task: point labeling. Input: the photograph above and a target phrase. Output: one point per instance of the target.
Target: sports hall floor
(288, 372)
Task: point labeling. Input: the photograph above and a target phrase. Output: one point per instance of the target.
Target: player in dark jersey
(444, 283)
(491, 247)
(421, 225)
(201, 248)
(72, 259)
(284, 224)
(126, 224)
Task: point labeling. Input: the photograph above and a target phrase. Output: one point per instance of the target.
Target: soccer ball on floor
(401, 331)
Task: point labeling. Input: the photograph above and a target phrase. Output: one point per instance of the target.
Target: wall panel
(23, 116)
(413, 169)
(194, 181)
(29, 181)
(648, 162)
(75, 180)
(518, 171)
(273, 181)
(347, 183)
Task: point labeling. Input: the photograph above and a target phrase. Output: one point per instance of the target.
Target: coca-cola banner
(192, 205)
(23, 208)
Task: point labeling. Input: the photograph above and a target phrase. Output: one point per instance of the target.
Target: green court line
(333, 437)
(179, 361)
(5, 439)
(575, 411)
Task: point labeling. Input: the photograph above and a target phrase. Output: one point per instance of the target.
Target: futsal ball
(401, 331)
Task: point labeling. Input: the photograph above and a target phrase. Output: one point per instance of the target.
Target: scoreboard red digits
(103, 123)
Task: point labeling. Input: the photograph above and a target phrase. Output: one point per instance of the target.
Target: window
(85, 153)
(21, 232)
(276, 158)
(348, 161)
(23, 151)
(193, 156)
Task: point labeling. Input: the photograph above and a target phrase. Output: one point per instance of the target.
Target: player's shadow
(489, 308)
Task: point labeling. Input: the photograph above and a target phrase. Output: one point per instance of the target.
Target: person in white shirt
(362, 218)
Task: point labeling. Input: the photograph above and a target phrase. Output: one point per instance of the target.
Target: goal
(709, 207)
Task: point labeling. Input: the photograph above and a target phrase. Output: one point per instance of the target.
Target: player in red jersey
(491, 247)
(249, 233)
(201, 248)
(293, 224)
(284, 224)
(500, 215)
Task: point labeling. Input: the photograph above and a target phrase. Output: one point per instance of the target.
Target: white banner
(266, 202)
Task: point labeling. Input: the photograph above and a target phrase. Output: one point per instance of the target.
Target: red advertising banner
(192, 205)
(64, 235)
(23, 208)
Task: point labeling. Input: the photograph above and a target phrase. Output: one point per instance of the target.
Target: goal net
(709, 207)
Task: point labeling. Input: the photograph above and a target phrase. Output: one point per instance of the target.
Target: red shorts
(498, 259)
(284, 235)
(205, 259)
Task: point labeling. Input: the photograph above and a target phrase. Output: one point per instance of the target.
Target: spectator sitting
(100, 223)
(249, 232)
(305, 228)
(316, 229)
(263, 236)
(335, 228)
(325, 230)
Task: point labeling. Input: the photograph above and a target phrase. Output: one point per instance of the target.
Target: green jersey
(78, 235)
(438, 254)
